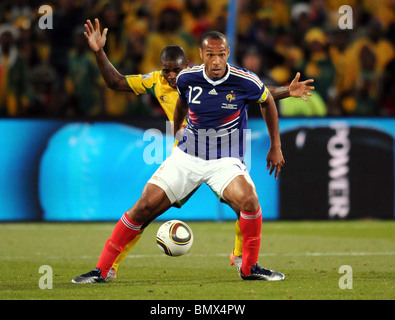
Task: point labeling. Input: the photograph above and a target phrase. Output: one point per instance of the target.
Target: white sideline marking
(162, 255)
(300, 254)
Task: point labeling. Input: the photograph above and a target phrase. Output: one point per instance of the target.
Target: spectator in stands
(252, 60)
(343, 61)
(82, 81)
(140, 29)
(318, 13)
(387, 90)
(168, 32)
(383, 49)
(300, 21)
(262, 35)
(66, 17)
(366, 86)
(14, 85)
(111, 16)
(318, 64)
(196, 18)
(42, 77)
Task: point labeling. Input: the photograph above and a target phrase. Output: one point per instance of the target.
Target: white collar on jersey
(219, 81)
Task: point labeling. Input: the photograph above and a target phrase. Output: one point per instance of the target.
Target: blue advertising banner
(22, 143)
(55, 170)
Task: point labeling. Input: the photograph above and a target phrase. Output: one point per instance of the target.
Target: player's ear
(201, 53)
(187, 63)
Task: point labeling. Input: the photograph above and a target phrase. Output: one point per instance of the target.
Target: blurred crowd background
(52, 72)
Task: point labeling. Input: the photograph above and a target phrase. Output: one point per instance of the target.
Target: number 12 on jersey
(195, 99)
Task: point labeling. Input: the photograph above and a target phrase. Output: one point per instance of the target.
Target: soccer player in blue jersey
(214, 97)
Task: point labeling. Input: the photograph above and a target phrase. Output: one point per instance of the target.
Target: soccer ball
(174, 238)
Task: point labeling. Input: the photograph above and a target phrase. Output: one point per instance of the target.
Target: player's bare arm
(275, 159)
(295, 89)
(180, 112)
(96, 41)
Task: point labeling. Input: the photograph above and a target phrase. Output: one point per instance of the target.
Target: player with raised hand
(225, 113)
(163, 84)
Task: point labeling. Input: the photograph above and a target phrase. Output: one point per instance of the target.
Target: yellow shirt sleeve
(143, 83)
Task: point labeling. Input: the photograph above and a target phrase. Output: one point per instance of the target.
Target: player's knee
(249, 202)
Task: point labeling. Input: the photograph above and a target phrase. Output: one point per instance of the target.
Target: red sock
(250, 226)
(124, 232)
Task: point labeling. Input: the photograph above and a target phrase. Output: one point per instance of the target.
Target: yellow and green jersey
(155, 84)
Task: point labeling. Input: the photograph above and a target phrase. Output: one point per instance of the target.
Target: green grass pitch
(309, 253)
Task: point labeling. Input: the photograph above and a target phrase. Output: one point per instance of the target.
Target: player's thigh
(229, 178)
(152, 203)
(241, 193)
(177, 176)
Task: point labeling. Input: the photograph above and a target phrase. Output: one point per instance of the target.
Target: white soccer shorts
(181, 174)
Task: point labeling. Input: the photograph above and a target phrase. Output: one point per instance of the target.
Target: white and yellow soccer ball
(174, 238)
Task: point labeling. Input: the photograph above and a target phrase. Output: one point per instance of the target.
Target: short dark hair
(173, 53)
(214, 35)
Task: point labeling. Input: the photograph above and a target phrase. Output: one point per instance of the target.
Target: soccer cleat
(93, 276)
(112, 274)
(235, 260)
(260, 273)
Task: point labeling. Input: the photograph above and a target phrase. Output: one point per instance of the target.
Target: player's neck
(217, 80)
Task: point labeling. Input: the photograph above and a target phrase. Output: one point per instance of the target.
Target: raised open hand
(300, 89)
(95, 39)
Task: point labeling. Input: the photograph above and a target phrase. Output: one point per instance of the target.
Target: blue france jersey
(217, 113)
